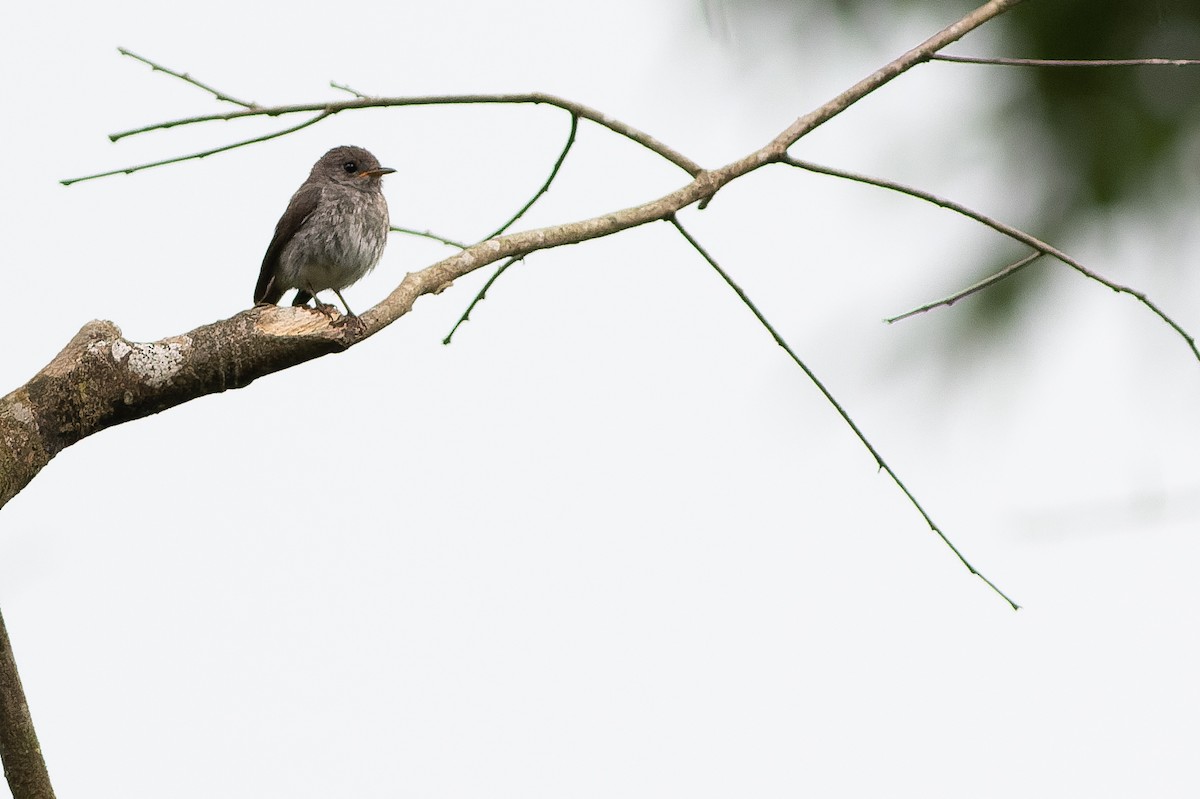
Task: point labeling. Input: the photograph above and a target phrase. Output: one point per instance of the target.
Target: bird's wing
(303, 203)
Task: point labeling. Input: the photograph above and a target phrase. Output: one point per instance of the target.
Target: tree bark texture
(24, 767)
(100, 379)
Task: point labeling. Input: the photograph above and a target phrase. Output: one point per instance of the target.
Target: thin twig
(562, 156)
(880, 77)
(1067, 62)
(1007, 230)
(836, 405)
(345, 88)
(545, 187)
(482, 295)
(535, 98)
(425, 234)
(204, 154)
(183, 76)
(768, 154)
(969, 290)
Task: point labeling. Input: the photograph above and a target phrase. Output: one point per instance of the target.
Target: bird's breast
(339, 243)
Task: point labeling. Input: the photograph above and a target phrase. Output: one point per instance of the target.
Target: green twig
(971, 289)
(482, 295)
(836, 405)
(183, 76)
(203, 154)
(425, 234)
(1007, 230)
(545, 187)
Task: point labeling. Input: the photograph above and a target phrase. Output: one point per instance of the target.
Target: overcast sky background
(610, 542)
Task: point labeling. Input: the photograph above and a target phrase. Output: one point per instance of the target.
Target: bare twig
(347, 89)
(1066, 62)
(535, 98)
(971, 289)
(203, 154)
(24, 766)
(183, 76)
(480, 296)
(1007, 230)
(425, 234)
(772, 152)
(545, 187)
(837, 406)
(919, 54)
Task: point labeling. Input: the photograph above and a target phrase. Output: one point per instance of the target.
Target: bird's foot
(353, 325)
(328, 309)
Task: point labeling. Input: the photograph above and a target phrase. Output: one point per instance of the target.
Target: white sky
(610, 542)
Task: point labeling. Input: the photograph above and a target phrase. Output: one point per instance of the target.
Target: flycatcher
(332, 233)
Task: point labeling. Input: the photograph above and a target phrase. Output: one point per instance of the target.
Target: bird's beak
(376, 173)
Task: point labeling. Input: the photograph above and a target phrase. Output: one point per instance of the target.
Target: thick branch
(100, 379)
(24, 767)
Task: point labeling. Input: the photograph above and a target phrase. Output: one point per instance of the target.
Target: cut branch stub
(100, 379)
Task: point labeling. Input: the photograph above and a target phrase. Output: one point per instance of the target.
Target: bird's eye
(350, 167)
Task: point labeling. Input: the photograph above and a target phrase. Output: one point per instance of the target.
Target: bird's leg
(347, 305)
(350, 320)
(303, 296)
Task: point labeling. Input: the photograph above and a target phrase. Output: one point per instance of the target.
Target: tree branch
(480, 296)
(990, 280)
(1007, 230)
(128, 380)
(329, 109)
(922, 52)
(545, 187)
(183, 76)
(1066, 62)
(348, 89)
(425, 234)
(129, 170)
(24, 766)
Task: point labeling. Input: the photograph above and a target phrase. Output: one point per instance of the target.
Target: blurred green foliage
(1117, 137)
(1114, 129)
(1110, 128)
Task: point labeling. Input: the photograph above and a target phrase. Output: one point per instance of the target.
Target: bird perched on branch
(332, 233)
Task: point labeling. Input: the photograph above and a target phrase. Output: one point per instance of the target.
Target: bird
(332, 233)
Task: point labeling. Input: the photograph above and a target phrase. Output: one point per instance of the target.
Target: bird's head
(352, 166)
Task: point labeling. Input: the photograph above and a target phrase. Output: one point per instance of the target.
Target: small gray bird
(332, 233)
